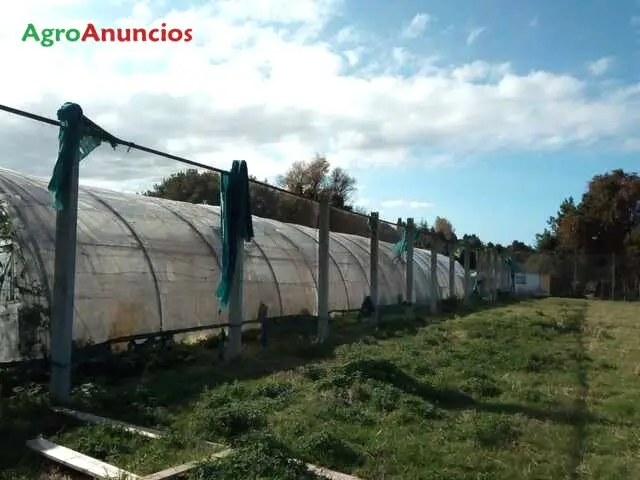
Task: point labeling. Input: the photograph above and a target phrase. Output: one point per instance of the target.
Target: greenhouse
(146, 265)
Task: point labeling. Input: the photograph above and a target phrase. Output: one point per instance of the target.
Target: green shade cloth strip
(77, 138)
(400, 248)
(235, 222)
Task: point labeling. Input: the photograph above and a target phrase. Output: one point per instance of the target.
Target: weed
(531, 390)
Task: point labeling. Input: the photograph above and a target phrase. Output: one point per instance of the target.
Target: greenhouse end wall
(146, 265)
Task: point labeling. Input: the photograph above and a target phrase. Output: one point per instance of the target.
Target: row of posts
(490, 267)
(488, 263)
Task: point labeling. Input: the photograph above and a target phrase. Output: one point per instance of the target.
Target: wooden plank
(180, 469)
(96, 419)
(330, 474)
(173, 471)
(77, 461)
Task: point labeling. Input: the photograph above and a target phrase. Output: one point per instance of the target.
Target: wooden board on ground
(90, 418)
(174, 471)
(77, 461)
(185, 467)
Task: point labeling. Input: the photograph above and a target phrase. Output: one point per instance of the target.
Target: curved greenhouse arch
(146, 264)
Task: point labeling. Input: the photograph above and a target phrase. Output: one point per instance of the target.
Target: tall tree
(582, 237)
(444, 228)
(315, 178)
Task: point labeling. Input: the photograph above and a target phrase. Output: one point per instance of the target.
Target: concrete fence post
(433, 281)
(480, 272)
(323, 269)
(373, 265)
(452, 274)
(467, 276)
(494, 276)
(64, 288)
(410, 263)
(236, 305)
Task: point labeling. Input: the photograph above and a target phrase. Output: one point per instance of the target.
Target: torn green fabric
(400, 248)
(235, 222)
(77, 138)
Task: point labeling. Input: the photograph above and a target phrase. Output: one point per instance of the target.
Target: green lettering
(73, 35)
(47, 33)
(31, 32)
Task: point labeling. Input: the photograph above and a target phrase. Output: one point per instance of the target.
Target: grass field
(545, 389)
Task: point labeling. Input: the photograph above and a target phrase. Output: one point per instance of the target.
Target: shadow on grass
(156, 378)
(452, 399)
(578, 444)
(581, 418)
(292, 345)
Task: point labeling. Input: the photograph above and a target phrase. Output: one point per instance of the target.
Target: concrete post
(467, 276)
(452, 274)
(492, 275)
(433, 281)
(410, 263)
(323, 269)
(373, 265)
(496, 263)
(64, 288)
(480, 271)
(236, 305)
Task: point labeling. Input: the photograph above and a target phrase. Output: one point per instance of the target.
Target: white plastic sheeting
(146, 264)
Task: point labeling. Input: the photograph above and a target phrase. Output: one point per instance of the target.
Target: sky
(486, 112)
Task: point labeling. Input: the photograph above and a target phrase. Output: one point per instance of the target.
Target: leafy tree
(189, 186)
(582, 237)
(314, 178)
(311, 179)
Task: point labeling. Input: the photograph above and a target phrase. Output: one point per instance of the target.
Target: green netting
(400, 248)
(236, 223)
(77, 138)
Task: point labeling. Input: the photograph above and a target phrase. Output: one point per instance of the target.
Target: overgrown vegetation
(542, 389)
(17, 286)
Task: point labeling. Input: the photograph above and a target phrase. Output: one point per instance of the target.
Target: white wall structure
(529, 284)
(146, 265)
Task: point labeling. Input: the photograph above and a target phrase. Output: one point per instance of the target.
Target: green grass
(545, 389)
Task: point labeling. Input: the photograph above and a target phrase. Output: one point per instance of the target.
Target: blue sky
(509, 195)
(487, 112)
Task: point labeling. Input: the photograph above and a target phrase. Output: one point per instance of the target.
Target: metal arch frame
(270, 222)
(344, 282)
(352, 255)
(386, 249)
(440, 269)
(273, 274)
(145, 253)
(192, 226)
(30, 243)
(195, 230)
(419, 261)
(381, 271)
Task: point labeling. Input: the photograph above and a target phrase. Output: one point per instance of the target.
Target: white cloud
(635, 21)
(416, 26)
(474, 34)
(600, 66)
(405, 204)
(268, 81)
(533, 22)
(440, 160)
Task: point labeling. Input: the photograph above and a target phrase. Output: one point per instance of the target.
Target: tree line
(576, 248)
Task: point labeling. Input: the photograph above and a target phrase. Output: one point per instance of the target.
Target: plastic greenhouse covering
(146, 265)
